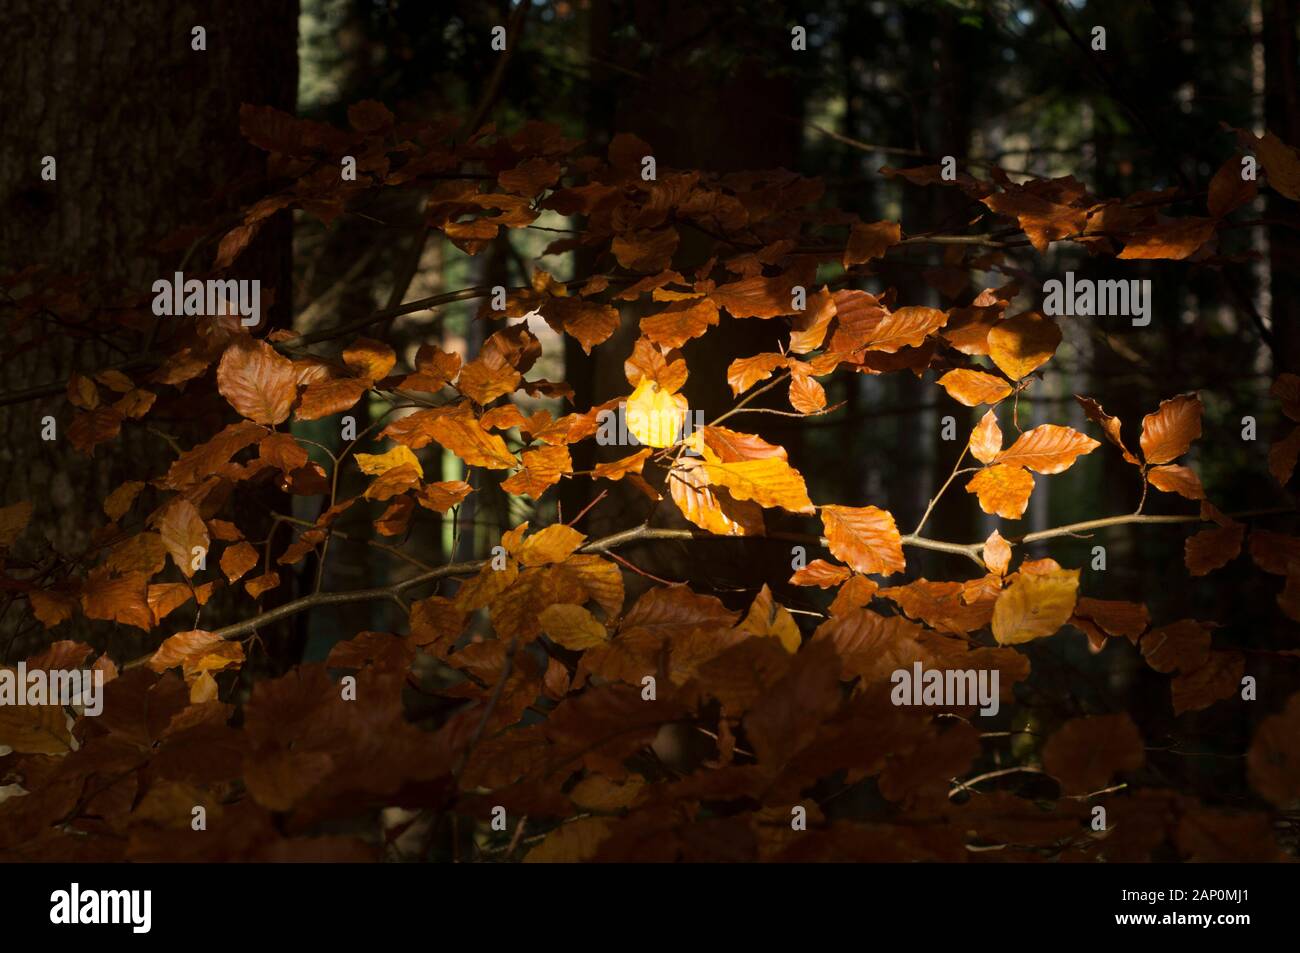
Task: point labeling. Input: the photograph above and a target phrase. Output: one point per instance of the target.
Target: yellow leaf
(655, 416)
(768, 619)
(552, 545)
(573, 627)
(377, 464)
(768, 482)
(1035, 606)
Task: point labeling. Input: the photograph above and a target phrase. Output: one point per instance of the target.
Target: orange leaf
(237, 560)
(617, 469)
(973, 388)
(906, 327)
(864, 537)
(997, 553)
(745, 372)
(542, 469)
(870, 241)
(552, 545)
(821, 574)
(369, 359)
(1047, 449)
(680, 322)
(182, 530)
(1168, 433)
(1110, 426)
(1002, 490)
(1169, 240)
(986, 439)
(258, 382)
(1020, 345)
(1177, 479)
(711, 508)
(1035, 606)
(768, 482)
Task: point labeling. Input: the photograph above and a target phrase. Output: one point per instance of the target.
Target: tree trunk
(144, 131)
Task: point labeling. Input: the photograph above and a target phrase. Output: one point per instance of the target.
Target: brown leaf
(1087, 752)
(1177, 479)
(1228, 190)
(1110, 426)
(1273, 761)
(1182, 646)
(258, 382)
(1217, 679)
(821, 574)
(1211, 549)
(745, 372)
(183, 531)
(870, 241)
(237, 560)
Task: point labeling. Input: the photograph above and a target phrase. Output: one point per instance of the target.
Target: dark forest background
(147, 139)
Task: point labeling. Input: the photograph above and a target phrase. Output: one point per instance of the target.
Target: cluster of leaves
(560, 695)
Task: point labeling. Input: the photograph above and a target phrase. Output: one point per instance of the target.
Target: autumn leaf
(369, 359)
(1021, 345)
(906, 327)
(768, 482)
(13, 520)
(258, 382)
(973, 388)
(865, 538)
(1002, 490)
(745, 372)
(1035, 606)
(377, 464)
(711, 508)
(1110, 425)
(986, 439)
(654, 416)
(183, 532)
(1176, 479)
(1174, 240)
(1212, 549)
(680, 322)
(870, 241)
(997, 553)
(767, 619)
(554, 544)
(572, 626)
(1047, 449)
(1086, 753)
(820, 573)
(1168, 433)
(238, 560)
